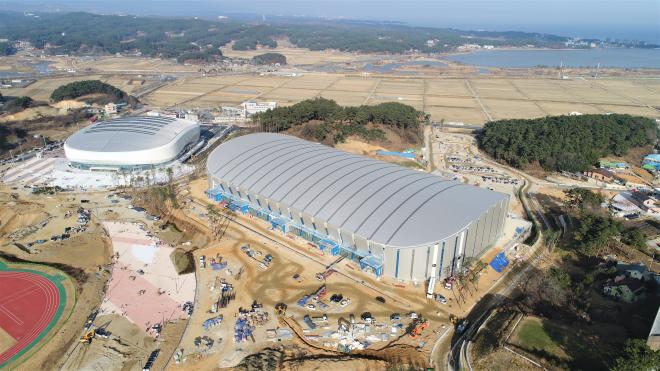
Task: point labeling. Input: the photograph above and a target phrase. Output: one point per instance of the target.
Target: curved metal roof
(129, 134)
(380, 201)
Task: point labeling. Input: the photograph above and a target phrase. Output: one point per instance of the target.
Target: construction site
(207, 284)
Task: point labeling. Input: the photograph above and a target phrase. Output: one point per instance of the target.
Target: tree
(579, 198)
(561, 276)
(79, 88)
(212, 215)
(637, 356)
(269, 58)
(593, 233)
(635, 238)
(565, 143)
(339, 122)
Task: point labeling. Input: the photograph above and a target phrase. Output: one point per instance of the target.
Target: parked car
(462, 326)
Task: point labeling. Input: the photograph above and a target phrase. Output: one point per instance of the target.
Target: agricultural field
(122, 64)
(298, 56)
(41, 89)
(471, 100)
(451, 99)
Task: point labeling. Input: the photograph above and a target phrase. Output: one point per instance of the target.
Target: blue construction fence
(284, 225)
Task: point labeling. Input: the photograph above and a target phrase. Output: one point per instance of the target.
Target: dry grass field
(122, 64)
(448, 98)
(298, 56)
(451, 99)
(41, 89)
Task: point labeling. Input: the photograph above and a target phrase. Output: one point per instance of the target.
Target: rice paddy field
(450, 99)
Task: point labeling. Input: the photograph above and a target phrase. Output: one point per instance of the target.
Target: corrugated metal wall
(415, 263)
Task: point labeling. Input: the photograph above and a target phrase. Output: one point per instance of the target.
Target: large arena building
(131, 143)
(395, 221)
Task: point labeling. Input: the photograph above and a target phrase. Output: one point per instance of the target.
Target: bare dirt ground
(84, 257)
(6, 341)
(277, 284)
(358, 147)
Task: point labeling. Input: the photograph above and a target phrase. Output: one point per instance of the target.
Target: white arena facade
(131, 143)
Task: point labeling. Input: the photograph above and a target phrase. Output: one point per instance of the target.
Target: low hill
(81, 88)
(269, 58)
(565, 143)
(325, 121)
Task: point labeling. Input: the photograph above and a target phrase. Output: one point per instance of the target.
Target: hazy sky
(639, 19)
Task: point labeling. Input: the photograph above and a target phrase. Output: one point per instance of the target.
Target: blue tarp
(212, 322)
(499, 263)
(652, 161)
(654, 157)
(220, 266)
(400, 154)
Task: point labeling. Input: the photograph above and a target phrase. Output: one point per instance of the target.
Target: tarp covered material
(499, 263)
(408, 155)
(651, 162)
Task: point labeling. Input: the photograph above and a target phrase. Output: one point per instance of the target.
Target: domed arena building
(394, 221)
(131, 143)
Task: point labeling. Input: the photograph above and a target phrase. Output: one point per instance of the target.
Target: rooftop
(380, 201)
(129, 134)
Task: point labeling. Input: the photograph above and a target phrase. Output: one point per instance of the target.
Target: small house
(628, 290)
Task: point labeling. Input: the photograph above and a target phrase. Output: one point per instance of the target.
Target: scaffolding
(372, 263)
(283, 224)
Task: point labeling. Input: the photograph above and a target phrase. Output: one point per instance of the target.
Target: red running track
(28, 303)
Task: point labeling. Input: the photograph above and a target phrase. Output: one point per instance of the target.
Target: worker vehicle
(417, 327)
(88, 336)
(462, 326)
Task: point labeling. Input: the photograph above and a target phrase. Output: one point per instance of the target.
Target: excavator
(93, 331)
(88, 336)
(417, 327)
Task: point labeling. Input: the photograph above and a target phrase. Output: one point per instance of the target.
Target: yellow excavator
(88, 336)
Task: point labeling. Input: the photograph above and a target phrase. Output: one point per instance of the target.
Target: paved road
(508, 283)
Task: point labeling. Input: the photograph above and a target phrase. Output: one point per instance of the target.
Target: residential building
(251, 107)
(628, 290)
(645, 202)
(601, 175)
(111, 109)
